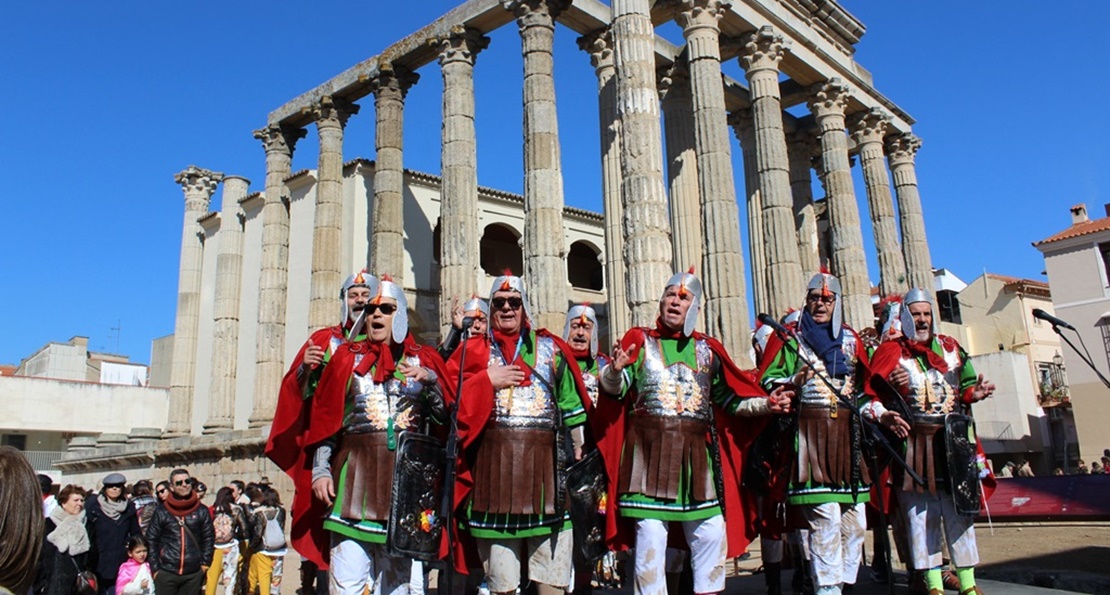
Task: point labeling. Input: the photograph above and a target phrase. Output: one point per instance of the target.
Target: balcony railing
(995, 430)
(43, 460)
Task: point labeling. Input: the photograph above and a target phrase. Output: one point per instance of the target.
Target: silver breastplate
(531, 406)
(816, 393)
(675, 390)
(931, 392)
(371, 405)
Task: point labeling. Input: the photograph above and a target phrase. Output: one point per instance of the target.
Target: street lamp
(1058, 360)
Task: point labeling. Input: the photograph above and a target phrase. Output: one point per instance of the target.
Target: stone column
(387, 237)
(760, 57)
(331, 114)
(868, 129)
(600, 47)
(682, 166)
(849, 262)
(198, 184)
(801, 146)
(744, 129)
(647, 250)
(278, 141)
(545, 266)
(900, 152)
(225, 343)
(458, 215)
(726, 304)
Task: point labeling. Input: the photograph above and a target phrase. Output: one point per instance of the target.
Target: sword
(358, 325)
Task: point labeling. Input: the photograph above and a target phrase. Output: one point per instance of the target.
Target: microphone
(774, 324)
(1045, 316)
(468, 322)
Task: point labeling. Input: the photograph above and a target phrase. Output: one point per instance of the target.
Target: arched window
(583, 267)
(500, 250)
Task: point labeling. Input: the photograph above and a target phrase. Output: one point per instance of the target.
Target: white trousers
(708, 547)
(836, 533)
(924, 515)
(548, 559)
(355, 565)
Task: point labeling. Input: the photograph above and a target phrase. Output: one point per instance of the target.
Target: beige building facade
(1077, 260)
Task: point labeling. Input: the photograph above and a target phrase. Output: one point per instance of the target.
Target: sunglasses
(386, 309)
(514, 303)
(182, 482)
(825, 299)
(162, 491)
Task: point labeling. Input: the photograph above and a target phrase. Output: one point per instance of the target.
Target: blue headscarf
(825, 341)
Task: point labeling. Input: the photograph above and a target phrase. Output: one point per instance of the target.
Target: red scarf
(919, 349)
(507, 343)
(179, 507)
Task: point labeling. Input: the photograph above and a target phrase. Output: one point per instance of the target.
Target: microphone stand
(447, 507)
(871, 435)
(1086, 358)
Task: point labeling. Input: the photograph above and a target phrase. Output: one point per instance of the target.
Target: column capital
(828, 99)
(333, 109)
(393, 80)
(803, 144)
(462, 44)
(742, 122)
(282, 139)
(529, 13)
(763, 50)
(697, 14)
(599, 45)
(869, 126)
(199, 184)
(674, 81)
(902, 148)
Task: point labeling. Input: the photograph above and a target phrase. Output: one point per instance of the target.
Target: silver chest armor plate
(945, 393)
(591, 386)
(531, 406)
(370, 405)
(675, 390)
(815, 393)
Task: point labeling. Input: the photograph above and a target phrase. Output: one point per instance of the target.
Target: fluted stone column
(273, 280)
(743, 128)
(726, 303)
(198, 184)
(801, 146)
(387, 237)
(849, 262)
(900, 151)
(545, 266)
(647, 250)
(868, 129)
(331, 114)
(763, 51)
(600, 47)
(225, 311)
(458, 214)
(682, 166)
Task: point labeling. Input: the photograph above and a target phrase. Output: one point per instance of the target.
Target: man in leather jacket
(180, 538)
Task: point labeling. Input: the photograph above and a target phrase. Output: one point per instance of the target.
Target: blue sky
(105, 102)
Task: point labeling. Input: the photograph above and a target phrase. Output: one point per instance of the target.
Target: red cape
(299, 424)
(734, 433)
(475, 405)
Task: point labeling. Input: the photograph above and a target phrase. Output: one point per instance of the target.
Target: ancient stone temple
(261, 273)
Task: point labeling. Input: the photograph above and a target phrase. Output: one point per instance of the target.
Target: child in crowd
(134, 575)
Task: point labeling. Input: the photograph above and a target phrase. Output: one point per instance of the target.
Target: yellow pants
(226, 562)
(264, 573)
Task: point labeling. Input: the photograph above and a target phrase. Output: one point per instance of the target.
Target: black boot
(772, 573)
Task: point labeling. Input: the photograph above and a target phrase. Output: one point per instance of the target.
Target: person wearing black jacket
(69, 546)
(113, 520)
(181, 539)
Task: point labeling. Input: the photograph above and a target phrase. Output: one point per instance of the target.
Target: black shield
(415, 526)
(963, 468)
(586, 486)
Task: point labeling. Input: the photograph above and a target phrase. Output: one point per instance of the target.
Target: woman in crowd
(267, 543)
(112, 519)
(229, 524)
(20, 524)
(66, 544)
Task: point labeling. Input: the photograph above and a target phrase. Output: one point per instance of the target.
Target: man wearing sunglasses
(685, 410)
(376, 385)
(180, 538)
(829, 480)
(518, 401)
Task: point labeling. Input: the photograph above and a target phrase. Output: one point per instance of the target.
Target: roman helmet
(828, 285)
(476, 304)
(894, 315)
(914, 296)
(359, 279)
(687, 283)
(761, 335)
(583, 312)
(510, 282)
(387, 288)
